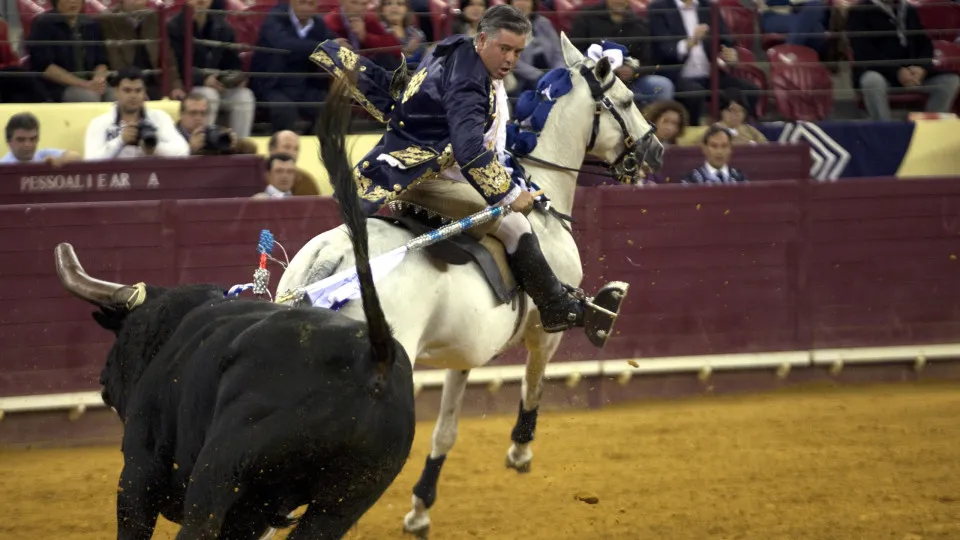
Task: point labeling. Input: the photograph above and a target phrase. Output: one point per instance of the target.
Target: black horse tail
(331, 132)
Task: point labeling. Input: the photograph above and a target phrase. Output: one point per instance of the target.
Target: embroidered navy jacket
(439, 116)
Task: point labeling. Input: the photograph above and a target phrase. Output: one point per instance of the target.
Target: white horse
(446, 316)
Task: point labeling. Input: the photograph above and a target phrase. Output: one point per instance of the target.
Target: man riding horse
(444, 150)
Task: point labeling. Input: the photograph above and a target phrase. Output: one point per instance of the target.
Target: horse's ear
(571, 55)
(603, 69)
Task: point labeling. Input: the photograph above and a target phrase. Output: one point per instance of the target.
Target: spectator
(543, 51)
(717, 147)
(23, 134)
(802, 21)
(58, 63)
(217, 70)
(733, 114)
(363, 31)
(670, 19)
(398, 21)
(288, 142)
(129, 129)
(19, 87)
(130, 20)
(669, 118)
(614, 20)
(297, 28)
(193, 124)
(469, 18)
(890, 31)
(281, 172)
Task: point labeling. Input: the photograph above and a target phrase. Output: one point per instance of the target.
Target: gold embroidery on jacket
(348, 58)
(414, 85)
(492, 179)
(413, 155)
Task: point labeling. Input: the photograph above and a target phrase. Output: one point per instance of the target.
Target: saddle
(487, 253)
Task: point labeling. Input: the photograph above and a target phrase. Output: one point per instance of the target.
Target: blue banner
(847, 149)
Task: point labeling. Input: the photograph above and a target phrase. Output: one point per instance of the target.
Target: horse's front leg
(417, 521)
(541, 347)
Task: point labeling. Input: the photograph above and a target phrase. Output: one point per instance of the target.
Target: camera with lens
(147, 134)
(217, 140)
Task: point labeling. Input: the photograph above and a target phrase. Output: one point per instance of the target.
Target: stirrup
(602, 311)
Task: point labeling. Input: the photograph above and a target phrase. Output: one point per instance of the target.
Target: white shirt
(103, 139)
(302, 29)
(274, 192)
(696, 65)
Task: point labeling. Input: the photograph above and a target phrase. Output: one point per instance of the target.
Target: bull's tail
(331, 132)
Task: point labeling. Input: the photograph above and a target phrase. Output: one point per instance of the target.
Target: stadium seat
(741, 22)
(8, 56)
(947, 56)
(747, 69)
(442, 18)
(92, 7)
(941, 18)
(792, 54)
(28, 11)
(802, 92)
(566, 11)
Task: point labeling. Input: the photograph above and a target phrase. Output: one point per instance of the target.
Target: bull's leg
(540, 349)
(417, 521)
(137, 500)
(212, 492)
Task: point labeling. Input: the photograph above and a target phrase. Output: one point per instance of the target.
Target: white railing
(573, 372)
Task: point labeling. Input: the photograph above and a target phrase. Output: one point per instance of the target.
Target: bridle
(624, 169)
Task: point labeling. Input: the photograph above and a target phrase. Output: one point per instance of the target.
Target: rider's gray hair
(504, 17)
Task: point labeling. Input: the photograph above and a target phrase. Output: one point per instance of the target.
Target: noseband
(625, 167)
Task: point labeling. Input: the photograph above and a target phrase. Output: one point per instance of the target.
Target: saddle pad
(489, 254)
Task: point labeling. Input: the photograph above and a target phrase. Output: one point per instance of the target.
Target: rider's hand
(523, 204)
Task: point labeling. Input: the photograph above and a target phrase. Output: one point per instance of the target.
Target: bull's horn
(75, 280)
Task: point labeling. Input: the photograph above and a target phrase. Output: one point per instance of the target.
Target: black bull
(238, 411)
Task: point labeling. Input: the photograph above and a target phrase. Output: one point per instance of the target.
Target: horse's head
(619, 134)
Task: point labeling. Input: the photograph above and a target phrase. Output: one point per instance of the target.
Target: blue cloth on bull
(440, 117)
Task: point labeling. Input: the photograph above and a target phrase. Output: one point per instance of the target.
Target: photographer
(217, 70)
(129, 130)
(204, 139)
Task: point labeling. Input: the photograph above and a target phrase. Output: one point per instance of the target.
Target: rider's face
(500, 51)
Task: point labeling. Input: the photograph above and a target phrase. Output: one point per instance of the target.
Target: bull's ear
(603, 69)
(110, 319)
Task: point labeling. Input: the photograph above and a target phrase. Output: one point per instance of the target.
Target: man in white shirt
(682, 36)
(23, 134)
(717, 147)
(129, 130)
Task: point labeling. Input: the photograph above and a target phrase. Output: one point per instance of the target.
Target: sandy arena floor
(821, 463)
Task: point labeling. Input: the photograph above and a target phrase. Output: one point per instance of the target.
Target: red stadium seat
(640, 7)
(8, 56)
(326, 6)
(566, 11)
(792, 54)
(92, 7)
(802, 92)
(28, 11)
(941, 18)
(441, 16)
(741, 22)
(747, 69)
(947, 56)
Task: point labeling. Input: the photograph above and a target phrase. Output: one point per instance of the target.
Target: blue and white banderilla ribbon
(335, 291)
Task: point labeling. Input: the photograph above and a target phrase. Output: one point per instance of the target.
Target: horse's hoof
(422, 533)
(521, 468)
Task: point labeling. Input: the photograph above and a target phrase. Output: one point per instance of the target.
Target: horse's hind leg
(417, 521)
(541, 347)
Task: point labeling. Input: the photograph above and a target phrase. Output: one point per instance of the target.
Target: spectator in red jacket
(363, 30)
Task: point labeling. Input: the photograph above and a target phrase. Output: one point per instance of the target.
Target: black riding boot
(559, 308)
